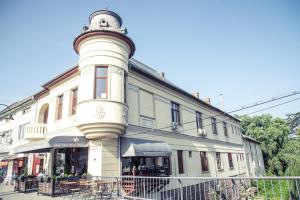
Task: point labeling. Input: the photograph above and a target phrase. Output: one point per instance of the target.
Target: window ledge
(205, 172)
(221, 170)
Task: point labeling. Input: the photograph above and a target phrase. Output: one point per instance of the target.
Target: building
(254, 157)
(112, 115)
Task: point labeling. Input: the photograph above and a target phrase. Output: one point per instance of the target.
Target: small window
(190, 154)
(59, 107)
(21, 132)
(74, 97)
(199, 120)
(175, 112)
(230, 161)
(219, 161)
(232, 129)
(180, 161)
(225, 129)
(214, 125)
(204, 161)
(101, 82)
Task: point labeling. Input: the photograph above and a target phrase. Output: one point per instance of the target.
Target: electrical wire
(217, 120)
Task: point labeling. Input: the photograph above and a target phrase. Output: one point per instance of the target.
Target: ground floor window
(70, 161)
(19, 166)
(146, 166)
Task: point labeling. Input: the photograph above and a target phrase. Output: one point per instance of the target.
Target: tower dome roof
(106, 12)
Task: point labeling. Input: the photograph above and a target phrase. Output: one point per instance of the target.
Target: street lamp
(10, 117)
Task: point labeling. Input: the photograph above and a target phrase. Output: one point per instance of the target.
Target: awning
(42, 146)
(132, 147)
(4, 156)
(14, 156)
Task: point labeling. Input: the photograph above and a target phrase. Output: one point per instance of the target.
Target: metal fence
(179, 188)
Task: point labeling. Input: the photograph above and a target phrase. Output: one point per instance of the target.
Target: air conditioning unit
(174, 125)
(201, 132)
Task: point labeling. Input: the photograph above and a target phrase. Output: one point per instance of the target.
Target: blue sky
(247, 50)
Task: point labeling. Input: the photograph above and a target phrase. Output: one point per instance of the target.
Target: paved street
(7, 193)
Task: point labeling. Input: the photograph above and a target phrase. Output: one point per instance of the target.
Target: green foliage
(293, 120)
(273, 135)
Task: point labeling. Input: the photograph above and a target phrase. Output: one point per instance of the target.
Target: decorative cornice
(85, 35)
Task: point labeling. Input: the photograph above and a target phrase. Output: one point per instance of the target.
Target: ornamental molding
(86, 70)
(100, 112)
(125, 115)
(116, 70)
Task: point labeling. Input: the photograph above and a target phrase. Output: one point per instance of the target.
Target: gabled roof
(246, 137)
(133, 65)
(153, 74)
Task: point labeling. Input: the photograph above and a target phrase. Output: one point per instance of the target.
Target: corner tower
(104, 50)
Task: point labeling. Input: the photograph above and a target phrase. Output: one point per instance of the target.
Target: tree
(293, 120)
(273, 135)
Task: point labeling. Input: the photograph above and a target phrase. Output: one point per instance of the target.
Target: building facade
(254, 157)
(112, 115)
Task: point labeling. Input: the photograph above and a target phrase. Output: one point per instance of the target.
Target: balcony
(35, 131)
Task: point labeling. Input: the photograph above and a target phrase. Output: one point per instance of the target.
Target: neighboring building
(112, 115)
(254, 157)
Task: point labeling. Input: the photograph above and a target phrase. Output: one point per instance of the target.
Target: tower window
(101, 82)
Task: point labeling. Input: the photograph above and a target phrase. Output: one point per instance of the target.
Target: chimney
(196, 94)
(207, 100)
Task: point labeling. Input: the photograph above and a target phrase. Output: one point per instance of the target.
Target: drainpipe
(119, 152)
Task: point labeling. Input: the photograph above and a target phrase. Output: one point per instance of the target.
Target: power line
(272, 106)
(218, 121)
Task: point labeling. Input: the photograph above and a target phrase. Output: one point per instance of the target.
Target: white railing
(35, 131)
(187, 188)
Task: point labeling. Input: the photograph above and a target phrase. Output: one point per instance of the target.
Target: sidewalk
(7, 193)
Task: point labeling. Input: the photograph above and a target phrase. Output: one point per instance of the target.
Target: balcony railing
(35, 131)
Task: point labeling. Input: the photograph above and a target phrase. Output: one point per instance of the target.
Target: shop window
(101, 82)
(146, 166)
(180, 161)
(204, 161)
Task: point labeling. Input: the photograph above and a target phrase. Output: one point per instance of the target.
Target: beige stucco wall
(150, 106)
